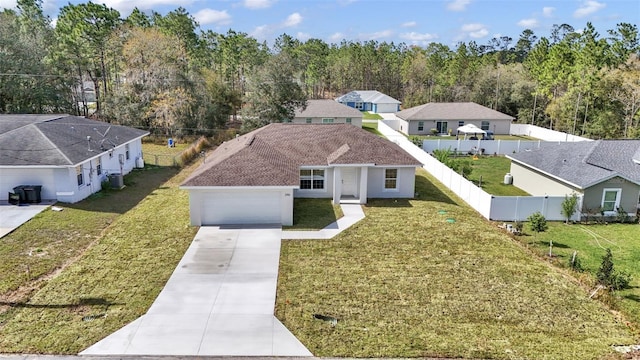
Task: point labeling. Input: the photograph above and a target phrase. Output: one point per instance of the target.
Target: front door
(349, 182)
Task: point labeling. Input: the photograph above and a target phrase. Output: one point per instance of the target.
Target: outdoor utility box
(116, 181)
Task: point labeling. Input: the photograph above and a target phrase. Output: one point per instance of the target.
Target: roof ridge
(52, 144)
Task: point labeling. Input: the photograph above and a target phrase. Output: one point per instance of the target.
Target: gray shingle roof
(367, 96)
(328, 109)
(273, 155)
(452, 111)
(57, 140)
(585, 163)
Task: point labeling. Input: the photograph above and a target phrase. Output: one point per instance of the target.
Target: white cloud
(547, 11)
(418, 38)
(8, 4)
(346, 2)
(302, 36)
(475, 30)
(125, 6)
(409, 24)
(335, 37)
(528, 23)
(261, 32)
(587, 8)
(292, 20)
(458, 5)
(257, 4)
(377, 35)
(210, 16)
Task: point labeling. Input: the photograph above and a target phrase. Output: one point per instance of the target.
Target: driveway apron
(219, 301)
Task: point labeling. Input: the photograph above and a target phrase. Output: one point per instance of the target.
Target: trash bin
(32, 193)
(14, 199)
(19, 190)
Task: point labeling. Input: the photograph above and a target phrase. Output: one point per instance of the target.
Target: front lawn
(313, 214)
(492, 169)
(591, 242)
(430, 277)
(370, 116)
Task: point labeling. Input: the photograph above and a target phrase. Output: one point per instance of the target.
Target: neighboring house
(69, 156)
(606, 172)
(254, 178)
(327, 112)
(370, 100)
(442, 117)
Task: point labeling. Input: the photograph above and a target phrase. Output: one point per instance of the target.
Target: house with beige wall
(419, 120)
(327, 111)
(605, 172)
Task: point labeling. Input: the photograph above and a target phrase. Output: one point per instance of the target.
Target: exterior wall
(497, 126)
(406, 183)
(537, 184)
(61, 184)
(327, 192)
(355, 121)
(628, 196)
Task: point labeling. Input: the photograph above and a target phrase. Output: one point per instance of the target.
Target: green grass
(404, 282)
(372, 128)
(162, 155)
(314, 214)
(591, 241)
(370, 116)
(126, 260)
(492, 169)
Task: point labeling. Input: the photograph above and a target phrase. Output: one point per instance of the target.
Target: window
(420, 125)
(442, 127)
(327, 121)
(485, 125)
(308, 120)
(312, 179)
(126, 147)
(460, 123)
(359, 106)
(348, 120)
(286, 121)
(99, 166)
(391, 179)
(611, 200)
(79, 175)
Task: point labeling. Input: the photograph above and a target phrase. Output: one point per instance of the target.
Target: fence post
(156, 159)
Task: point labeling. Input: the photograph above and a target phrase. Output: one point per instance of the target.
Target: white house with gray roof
(327, 112)
(419, 120)
(605, 172)
(68, 156)
(370, 100)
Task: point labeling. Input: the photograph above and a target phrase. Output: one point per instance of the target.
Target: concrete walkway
(219, 301)
(12, 216)
(352, 214)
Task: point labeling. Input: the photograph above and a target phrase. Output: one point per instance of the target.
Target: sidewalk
(352, 214)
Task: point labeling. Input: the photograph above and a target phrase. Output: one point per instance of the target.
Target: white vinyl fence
(488, 147)
(544, 134)
(498, 208)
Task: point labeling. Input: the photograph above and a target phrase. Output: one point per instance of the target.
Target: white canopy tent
(470, 129)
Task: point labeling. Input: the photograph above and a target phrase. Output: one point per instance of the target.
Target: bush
(609, 277)
(537, 222)
(622, 215)
(569, 206)
(416, 140)
(434, 131)
(194, 150)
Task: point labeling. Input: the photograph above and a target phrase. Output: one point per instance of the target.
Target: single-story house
(605, 172)
(419, 120)
(327, 112)
(254, 178)
(69, 156)
(370, 100)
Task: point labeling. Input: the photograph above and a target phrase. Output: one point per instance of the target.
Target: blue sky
(414, 22)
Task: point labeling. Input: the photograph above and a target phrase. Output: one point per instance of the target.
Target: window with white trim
(611, 200)
(420, 125)
(99, 166)
(327, 121)
(311, 179)
(79, 175)
(485, 125)
(390, 179)
(460, 123)
(308, 120)
(348, 120)
(126, 148)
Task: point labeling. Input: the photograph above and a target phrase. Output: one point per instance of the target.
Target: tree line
(164, 72)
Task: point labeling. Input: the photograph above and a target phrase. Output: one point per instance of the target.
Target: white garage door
(241, 208)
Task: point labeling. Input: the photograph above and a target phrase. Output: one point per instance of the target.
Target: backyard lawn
(492, 169)
(370, 116)
(372, 127)
(162, 155)
(591, 241)
(430, 277)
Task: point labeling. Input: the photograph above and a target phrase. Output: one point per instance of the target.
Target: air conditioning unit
(116, 181)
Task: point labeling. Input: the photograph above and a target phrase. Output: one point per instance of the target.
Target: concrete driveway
(12, 216)
(219, 301)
